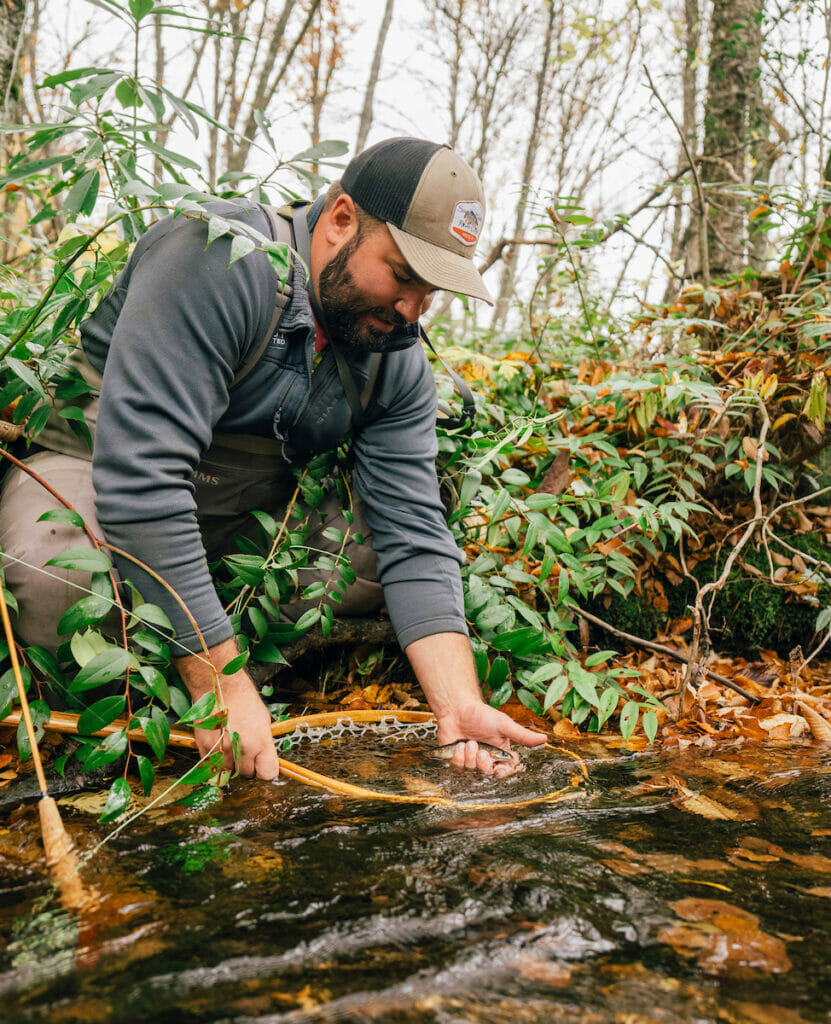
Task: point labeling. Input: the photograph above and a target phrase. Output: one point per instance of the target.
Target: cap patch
(467, 222)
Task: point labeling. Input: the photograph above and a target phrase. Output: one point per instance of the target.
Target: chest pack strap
(289, 226)
(358, 401)
(280, 232)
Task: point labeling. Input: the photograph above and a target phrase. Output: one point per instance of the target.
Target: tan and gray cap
(433, 204)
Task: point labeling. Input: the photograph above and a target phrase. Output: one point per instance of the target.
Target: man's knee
(348, 568)
(44, 592)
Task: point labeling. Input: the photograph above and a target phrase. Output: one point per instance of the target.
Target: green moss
(746, 615)
(631, 614)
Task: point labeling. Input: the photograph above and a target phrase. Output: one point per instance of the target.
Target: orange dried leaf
(818, 725)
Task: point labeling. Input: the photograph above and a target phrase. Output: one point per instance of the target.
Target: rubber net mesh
(388, 730)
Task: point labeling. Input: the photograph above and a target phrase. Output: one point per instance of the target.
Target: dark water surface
(628, 903)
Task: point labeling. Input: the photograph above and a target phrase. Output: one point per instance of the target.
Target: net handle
(325, 718)
(66, 722)
(62, 721)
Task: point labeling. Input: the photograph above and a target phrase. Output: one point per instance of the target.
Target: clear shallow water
(283, 903)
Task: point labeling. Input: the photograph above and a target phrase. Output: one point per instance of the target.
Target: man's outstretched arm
(247, 715)
(443, 664)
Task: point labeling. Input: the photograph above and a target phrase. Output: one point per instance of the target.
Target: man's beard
(345, 305)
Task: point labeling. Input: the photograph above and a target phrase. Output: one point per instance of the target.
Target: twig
(718, 584)
(498, 248)
(814, 239)
(703, 242)
(670, 652)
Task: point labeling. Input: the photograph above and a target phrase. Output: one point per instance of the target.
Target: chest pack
(290, 227)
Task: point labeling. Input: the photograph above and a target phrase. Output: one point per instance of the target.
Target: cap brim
(440, 267)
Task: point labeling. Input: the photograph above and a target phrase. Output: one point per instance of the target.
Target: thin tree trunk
(12, 20)
(764, 151)
(236, 160)
(374, 71)
(509, 265)
(734, 68)
(683, 246)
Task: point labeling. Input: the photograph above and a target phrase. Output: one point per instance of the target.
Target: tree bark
(731, 90)
(684, 245)
(369, 96)
(266, 87)
(12, 20)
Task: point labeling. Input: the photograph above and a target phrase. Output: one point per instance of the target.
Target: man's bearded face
(348, 309)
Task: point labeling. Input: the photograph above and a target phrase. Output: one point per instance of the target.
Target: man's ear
(341, 221)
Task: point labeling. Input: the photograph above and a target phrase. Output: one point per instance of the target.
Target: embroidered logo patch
(467, 222)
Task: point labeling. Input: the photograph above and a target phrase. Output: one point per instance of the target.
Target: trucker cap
(431, 201)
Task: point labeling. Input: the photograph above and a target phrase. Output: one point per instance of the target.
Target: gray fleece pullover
(169, 338)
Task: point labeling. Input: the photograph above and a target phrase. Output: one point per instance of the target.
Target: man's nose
(413, 303)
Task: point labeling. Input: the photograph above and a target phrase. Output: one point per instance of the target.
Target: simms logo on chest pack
(467, 222)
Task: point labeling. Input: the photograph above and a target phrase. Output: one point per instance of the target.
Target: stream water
(693, 887)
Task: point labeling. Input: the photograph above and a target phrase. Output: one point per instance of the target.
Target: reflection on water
(683, 888)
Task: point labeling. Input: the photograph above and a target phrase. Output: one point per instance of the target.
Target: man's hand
(444, 666)
(479, 723)
(247, 715)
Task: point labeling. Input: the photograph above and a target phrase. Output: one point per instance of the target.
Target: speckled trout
(445, 752)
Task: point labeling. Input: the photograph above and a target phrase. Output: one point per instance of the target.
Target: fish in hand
(445, 752)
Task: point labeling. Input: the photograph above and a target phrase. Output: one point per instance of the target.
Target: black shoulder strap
(448, 420)
(358, 401)
(280, 232)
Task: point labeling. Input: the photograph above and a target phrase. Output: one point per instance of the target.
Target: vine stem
(248, 590)
(698, 608)
(704, 243)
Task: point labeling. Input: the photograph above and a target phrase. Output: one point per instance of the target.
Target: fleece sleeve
(187, 322)
(395, 472)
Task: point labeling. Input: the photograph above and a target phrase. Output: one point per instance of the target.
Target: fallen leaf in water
(730, 770)
(807, 861)
(633, 743)
(644, 863)
(759, 1013)
(368, 768)
(818, 890)
(821, 832)
(565, 729)
(498, 872)
(752, 855)
(92, 1010)
(698, 803)
(553, 973)
(724, 939)
(306, 1001)
(268, 862)
(625, 868)
(421, 787)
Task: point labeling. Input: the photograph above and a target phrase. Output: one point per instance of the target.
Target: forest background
(651, 447)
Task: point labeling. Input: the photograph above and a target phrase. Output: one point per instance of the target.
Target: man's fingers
(484, 762)
(267, 765)
(527, 737)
